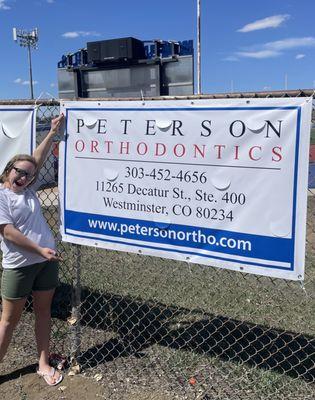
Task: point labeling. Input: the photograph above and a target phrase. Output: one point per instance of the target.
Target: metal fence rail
(154, 328)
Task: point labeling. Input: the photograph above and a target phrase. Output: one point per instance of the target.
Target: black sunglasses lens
(21, 172)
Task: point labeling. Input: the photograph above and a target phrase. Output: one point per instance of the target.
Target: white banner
(216, 182)
(17, 132)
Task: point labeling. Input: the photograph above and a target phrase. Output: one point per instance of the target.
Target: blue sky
(247, 45)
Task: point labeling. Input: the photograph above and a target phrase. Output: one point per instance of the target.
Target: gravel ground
(150, 374)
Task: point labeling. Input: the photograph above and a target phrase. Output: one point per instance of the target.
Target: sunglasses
(22, 173)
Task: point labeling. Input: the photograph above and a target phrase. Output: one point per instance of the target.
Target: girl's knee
(42, 313)
(8, 324)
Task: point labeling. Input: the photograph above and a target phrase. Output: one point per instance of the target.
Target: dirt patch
(29, 386)
(32, 387)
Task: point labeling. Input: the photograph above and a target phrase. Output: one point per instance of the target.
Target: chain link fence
(152, 328)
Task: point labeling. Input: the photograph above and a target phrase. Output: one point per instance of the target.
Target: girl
(30, 261)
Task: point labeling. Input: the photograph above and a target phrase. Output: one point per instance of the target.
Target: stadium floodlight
(27, 39)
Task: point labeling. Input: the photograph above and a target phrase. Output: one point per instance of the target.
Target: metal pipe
(234, 95)
(30, 69)
(75, 319)
(198, 49)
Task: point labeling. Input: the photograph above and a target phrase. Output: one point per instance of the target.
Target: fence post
(75, 308)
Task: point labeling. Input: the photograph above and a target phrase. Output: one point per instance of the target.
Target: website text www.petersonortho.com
(178, 236)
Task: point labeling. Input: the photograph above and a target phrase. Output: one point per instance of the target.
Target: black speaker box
(108, 51)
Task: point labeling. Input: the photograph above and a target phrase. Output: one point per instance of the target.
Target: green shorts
(18, 283)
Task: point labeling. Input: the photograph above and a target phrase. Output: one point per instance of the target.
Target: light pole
(27, 39)
(198, 50)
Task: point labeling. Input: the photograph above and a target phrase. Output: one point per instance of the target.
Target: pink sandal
(50, 376)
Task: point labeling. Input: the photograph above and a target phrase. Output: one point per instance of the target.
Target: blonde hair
(19, 157)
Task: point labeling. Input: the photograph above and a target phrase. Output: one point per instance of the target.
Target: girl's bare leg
(42, 308)
(11, 314)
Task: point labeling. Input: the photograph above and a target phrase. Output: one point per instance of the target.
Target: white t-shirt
(23, 211)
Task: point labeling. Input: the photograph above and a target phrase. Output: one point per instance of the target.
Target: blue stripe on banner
(225, 242)
(311, 176)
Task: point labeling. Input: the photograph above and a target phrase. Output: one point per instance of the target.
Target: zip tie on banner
(52, 96)
(36, 100)
(188, 262)
(311, 97)
(303, 288)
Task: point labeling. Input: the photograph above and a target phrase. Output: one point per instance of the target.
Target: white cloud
(270, 22)
(290, 43)
(75, 34)
(259, 54)
(231, 58)
(70, 35)
(28, 82)
(52, 85)
(274, 49)
(50, 1)
(4, 6)
(20, 81)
